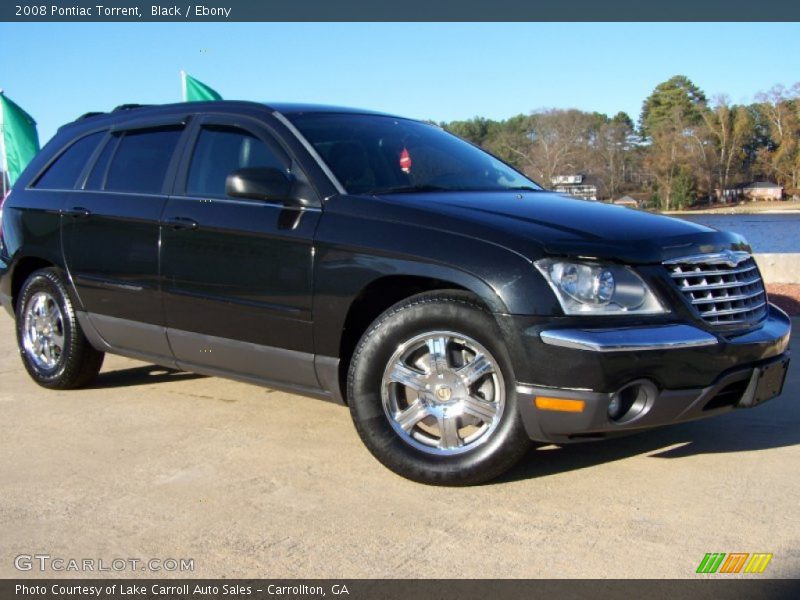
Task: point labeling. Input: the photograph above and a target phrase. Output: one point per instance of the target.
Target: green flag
(19, 137)
(197, 91)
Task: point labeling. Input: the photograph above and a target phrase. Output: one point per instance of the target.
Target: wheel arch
(383, 292)
(24, 267)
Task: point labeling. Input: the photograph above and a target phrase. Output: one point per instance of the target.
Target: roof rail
(129, 107)
(89, 114)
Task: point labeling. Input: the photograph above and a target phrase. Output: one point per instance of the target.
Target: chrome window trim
(311, 150)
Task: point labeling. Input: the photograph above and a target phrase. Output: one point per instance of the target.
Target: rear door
(111, 236)
(238, 273)
(40, 207)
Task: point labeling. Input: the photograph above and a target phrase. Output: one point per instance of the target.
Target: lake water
(766, 232)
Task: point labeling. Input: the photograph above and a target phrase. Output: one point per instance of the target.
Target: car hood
(561, 225)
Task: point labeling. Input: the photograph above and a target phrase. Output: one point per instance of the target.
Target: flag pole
(3, 151)
(183, 85)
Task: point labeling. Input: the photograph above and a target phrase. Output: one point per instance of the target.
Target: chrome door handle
(182, 223)
(77, 212)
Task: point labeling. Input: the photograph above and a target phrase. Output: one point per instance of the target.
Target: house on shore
(575, 185)
(762, 190)
(757, 190)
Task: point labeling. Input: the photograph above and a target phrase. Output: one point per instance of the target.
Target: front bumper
(689, 373)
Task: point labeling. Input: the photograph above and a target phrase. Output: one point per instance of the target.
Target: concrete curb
(779, 268)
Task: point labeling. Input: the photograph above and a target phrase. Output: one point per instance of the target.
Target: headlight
(596, 288)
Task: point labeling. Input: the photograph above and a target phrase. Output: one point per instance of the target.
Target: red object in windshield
(405, 161)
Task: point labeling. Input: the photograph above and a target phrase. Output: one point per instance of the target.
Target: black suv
(458, 308)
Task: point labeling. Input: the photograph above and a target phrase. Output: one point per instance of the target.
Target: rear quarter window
(63, 173)
(97, 177)
(141, 160)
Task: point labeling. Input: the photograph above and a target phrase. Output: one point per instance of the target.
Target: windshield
(371, 154)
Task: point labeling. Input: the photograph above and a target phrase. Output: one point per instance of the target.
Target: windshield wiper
(411, 189)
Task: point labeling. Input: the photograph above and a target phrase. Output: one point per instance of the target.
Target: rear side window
(220, 151)
(98, 175)
(64, 172)
(141, 160)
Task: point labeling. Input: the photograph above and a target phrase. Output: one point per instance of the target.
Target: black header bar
(400, 10)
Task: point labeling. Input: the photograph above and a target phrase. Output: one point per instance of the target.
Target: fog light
(614, 408)
(631, 401)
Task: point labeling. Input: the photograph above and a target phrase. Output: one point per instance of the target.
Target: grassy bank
(745, 208)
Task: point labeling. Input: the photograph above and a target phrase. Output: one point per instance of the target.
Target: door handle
(78, 211)
(182, 223)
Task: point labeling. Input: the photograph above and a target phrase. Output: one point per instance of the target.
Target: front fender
(353, 252)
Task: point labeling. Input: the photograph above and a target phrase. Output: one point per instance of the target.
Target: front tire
(432, 392)
(54, 350)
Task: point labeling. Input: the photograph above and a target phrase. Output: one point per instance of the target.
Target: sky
(438, 71)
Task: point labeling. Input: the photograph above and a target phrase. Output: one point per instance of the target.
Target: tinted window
(98, 174)
(141, 160)
(63, 173)
(377, 154)
(220, 151)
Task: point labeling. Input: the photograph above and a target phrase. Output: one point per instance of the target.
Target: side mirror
(261, 183)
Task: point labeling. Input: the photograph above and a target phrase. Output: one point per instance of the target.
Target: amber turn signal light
(559, 404)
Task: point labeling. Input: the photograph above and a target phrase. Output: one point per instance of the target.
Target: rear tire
(432, 392)
(54, 349)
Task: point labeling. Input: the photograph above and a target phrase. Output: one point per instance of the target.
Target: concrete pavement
(250, 482)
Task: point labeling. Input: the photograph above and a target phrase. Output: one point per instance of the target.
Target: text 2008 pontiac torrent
(456, 307)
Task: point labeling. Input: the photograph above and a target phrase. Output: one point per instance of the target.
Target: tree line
(683, 148)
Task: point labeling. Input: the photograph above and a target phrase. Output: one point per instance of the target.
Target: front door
(237, 273)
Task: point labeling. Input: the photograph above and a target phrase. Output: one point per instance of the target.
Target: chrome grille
(723, 289)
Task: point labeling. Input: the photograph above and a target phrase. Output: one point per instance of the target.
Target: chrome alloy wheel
(443, 393)
(43, 331)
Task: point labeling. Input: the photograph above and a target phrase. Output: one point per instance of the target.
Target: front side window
(141, 161)
(371, 154)
(63, 173)
(221, 150)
